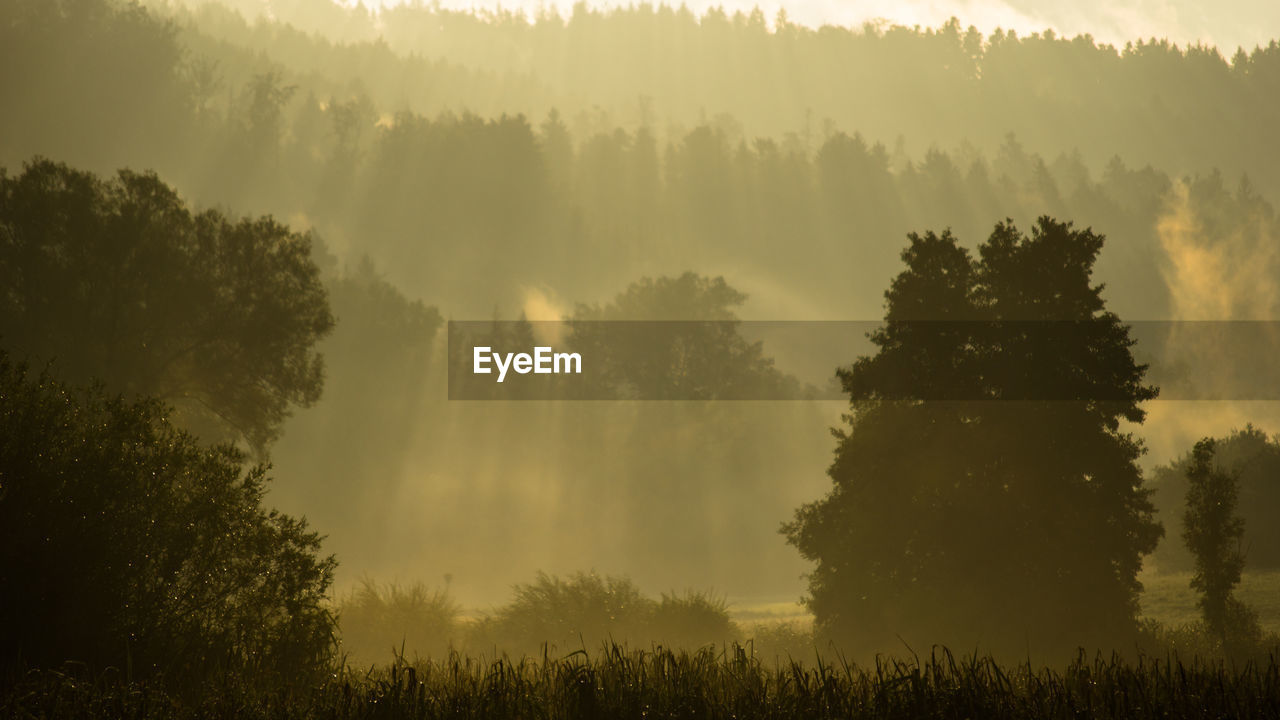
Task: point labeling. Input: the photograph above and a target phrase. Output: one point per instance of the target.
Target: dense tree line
(1183, 108)
(239, 123)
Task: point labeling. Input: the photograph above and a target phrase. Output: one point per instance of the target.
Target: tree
(1254, 458)
(1214, 534)
(119, 281)
(675, 338)
(124, 542)
(983, 491)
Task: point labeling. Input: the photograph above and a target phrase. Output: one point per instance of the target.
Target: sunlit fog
(493, 359)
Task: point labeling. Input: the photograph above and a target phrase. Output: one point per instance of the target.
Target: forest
(925, 370)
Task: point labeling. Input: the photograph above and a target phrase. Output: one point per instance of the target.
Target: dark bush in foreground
(706, 684)
(125, 543)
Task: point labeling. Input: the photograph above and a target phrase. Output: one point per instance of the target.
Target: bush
(379, 621)
(782, 642)
(692, 620)
(587, 611)
(584, 611)
(124, 542)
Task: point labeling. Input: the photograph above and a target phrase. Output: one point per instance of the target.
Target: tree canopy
(983, 491)
(118, 280)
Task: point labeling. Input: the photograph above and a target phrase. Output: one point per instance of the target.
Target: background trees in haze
(404, 158)
(983, 492)
(706, 358)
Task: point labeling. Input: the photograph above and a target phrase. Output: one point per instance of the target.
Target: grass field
(706, 684)
(725, 682)
(1170, 599)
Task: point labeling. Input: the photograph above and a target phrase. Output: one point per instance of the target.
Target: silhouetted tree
(1255, 459)
(118, 280)
(125, 542)
(983, 491)
(1214, 534)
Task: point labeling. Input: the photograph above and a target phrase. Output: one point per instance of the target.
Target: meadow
(725, 683)
(1168, 598)
(452, 663)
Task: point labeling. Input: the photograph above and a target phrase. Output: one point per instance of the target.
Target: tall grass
(731, 683)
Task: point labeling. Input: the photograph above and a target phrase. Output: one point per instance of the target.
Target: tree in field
(1254, 457)
(118, 280)
(983, 491)
(1214, 534)
(124, 542)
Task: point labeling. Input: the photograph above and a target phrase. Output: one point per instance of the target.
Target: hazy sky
(1226, 23)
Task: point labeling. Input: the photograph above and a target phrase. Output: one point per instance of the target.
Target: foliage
(378, 621)
(118, 280)
(676, 338)
(589, 195)
(706, 684)
(691, 620)
(584, 610)
(983, 492)
(125, 543)
(787, 641)
(1214, 535)
(1254, 458)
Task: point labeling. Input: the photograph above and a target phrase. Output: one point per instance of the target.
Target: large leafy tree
(118, 280)
(983, 491)
(125, 542)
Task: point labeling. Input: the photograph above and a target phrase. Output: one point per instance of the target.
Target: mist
(276, 218)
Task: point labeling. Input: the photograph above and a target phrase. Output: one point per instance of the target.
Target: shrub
(782, 642)
(379, 621)
(584, 611)
(692, 620)
(587, 611)
(124, 542)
